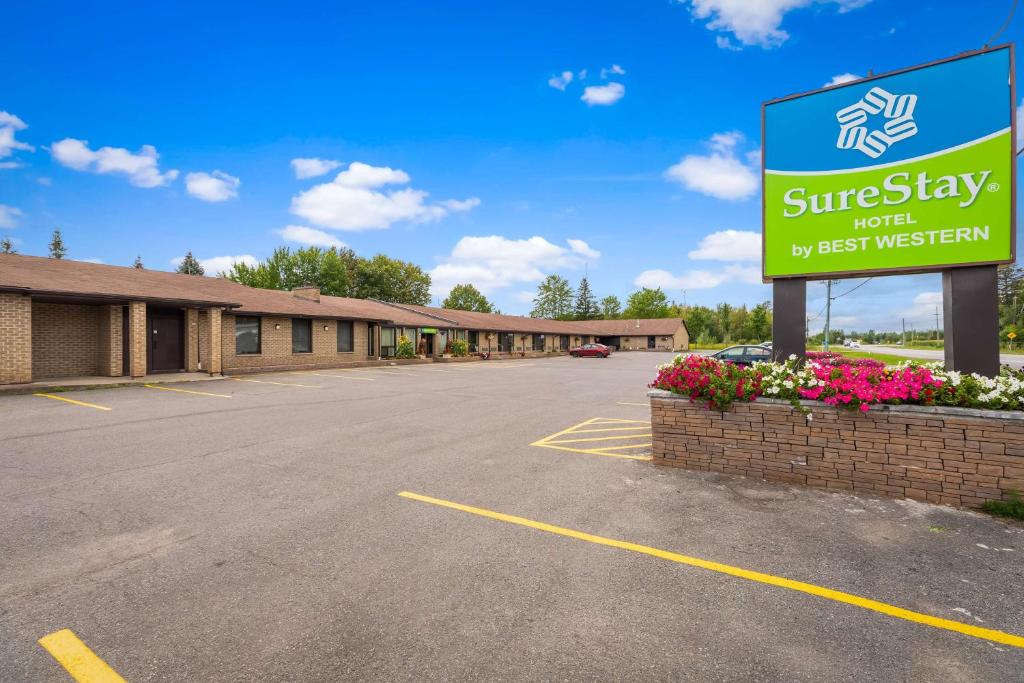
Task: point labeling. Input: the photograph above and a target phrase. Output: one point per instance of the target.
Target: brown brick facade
(108, 356)
(949, 456)
(276, 345)
(137, 338)
(65, 340)
(15, 338)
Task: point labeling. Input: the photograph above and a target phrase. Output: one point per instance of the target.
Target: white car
(854, 344)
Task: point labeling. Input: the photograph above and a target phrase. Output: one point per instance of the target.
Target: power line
(851, 291)
(1009, 18)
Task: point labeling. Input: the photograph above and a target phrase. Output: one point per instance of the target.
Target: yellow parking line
(617, 448)
(759, 577)
(324, 374)
(74, 402)
(77, 659)
(627, 403)
(596, 451)
(185, 391)
(609, 429)
(280, 384)
(601, 438)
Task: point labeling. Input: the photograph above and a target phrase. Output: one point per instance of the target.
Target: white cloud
(728, 245)
(525, 296)
(9, 125)
(719, 174)
(603, 95)
(613, 69)
(45, 181)
(313, 167)
(755, 22)
(583, 249)
(1020, 123)
(215, 265)
(141, 168)
(698, 279)
(839, 79)
(9, 216)
(560, 81)
(494, 262)
(300, 234)
(355, 200)
(923, 306)
(212, 187)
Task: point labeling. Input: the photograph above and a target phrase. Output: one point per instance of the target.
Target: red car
(596, 350)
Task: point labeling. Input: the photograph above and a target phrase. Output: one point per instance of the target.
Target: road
(1014, 360)
(254, 530)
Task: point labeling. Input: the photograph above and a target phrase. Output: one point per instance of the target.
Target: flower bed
(839, 381)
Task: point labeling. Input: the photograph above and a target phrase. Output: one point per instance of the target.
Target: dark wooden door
(166, 340)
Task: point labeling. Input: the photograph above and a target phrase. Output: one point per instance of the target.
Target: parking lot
(484, 521)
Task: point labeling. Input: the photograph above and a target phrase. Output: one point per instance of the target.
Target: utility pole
(904, 320)
(936, 323)
(828, 311)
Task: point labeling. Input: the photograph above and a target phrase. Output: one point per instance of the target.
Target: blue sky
(454, 137)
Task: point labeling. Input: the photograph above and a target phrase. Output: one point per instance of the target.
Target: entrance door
(166, 352)
(428, 345)
(650, 342)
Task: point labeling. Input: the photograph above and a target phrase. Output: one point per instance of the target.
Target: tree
(467, 298)
(57, 248)
(586, 303)
(702, 324)
(647, 303)
(331, 270)
(554, 299)
(7, 246)
(611, 307)
(392, 280)
(190, 266)
(138, 263)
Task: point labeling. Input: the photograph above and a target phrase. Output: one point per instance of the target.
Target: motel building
(62, 319)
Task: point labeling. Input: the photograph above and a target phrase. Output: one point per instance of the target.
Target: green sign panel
(428, 330)
(910, 171)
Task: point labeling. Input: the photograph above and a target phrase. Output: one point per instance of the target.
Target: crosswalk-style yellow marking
(604, 437)
(77, 659)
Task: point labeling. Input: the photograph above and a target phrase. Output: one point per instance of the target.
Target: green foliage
(647, 303)
(553, 300)
(1012, 508)
(467, 298)
(190, 266)
(391, 280)
(586, 303)
(7, 246)
(405, 348)
(611, 307)
(57, 248)
(458, 347)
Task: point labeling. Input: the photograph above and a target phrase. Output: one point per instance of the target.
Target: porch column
(137, 338)
(15, 338)
(191, 339)
(213, 328)
(110, 342)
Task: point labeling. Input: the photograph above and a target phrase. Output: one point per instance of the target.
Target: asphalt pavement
(254, 530)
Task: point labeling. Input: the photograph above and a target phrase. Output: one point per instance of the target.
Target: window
(758, 353)
(506, 342)
(371, 349)
(345, 342)
(538, 342)
(563, 342)
(302, 335)
(387, 341)
(474, 341)
(247, 335)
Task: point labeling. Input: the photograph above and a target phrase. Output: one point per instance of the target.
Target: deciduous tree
(467, 298)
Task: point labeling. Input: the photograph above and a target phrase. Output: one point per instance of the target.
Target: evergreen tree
(611, 307)
(586, 303)
(7, 246)
(467, 298)
(57, 248)
(138, 263)
(190, 266)
(554, 299)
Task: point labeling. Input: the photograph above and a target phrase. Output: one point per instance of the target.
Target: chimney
(307, 292)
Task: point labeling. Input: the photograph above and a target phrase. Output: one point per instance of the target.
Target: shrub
(459, 347)
(700, 377)
(1012, 508)
(405, 348)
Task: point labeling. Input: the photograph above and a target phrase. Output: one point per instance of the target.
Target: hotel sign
(908, 171)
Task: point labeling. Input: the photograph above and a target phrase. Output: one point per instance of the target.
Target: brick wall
(108, 357)
(65, 340)
(16, 336)
(952, 456)
(276, 345)
(137, 326)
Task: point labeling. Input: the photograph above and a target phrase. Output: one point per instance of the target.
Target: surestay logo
(898, 112)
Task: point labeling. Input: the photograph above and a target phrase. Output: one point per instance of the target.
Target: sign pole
(970, 309)
(789, 308)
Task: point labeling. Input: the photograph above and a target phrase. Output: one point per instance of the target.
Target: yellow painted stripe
(759, 577)
(74, 402)
(77, 659)
(600, 438)
(185, 391)
(324, 374)
(621, 448)
(627, 403)
(608, 429)
(280, 384)
(594, 451)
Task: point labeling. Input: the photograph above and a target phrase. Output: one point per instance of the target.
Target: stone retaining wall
(941, 455)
